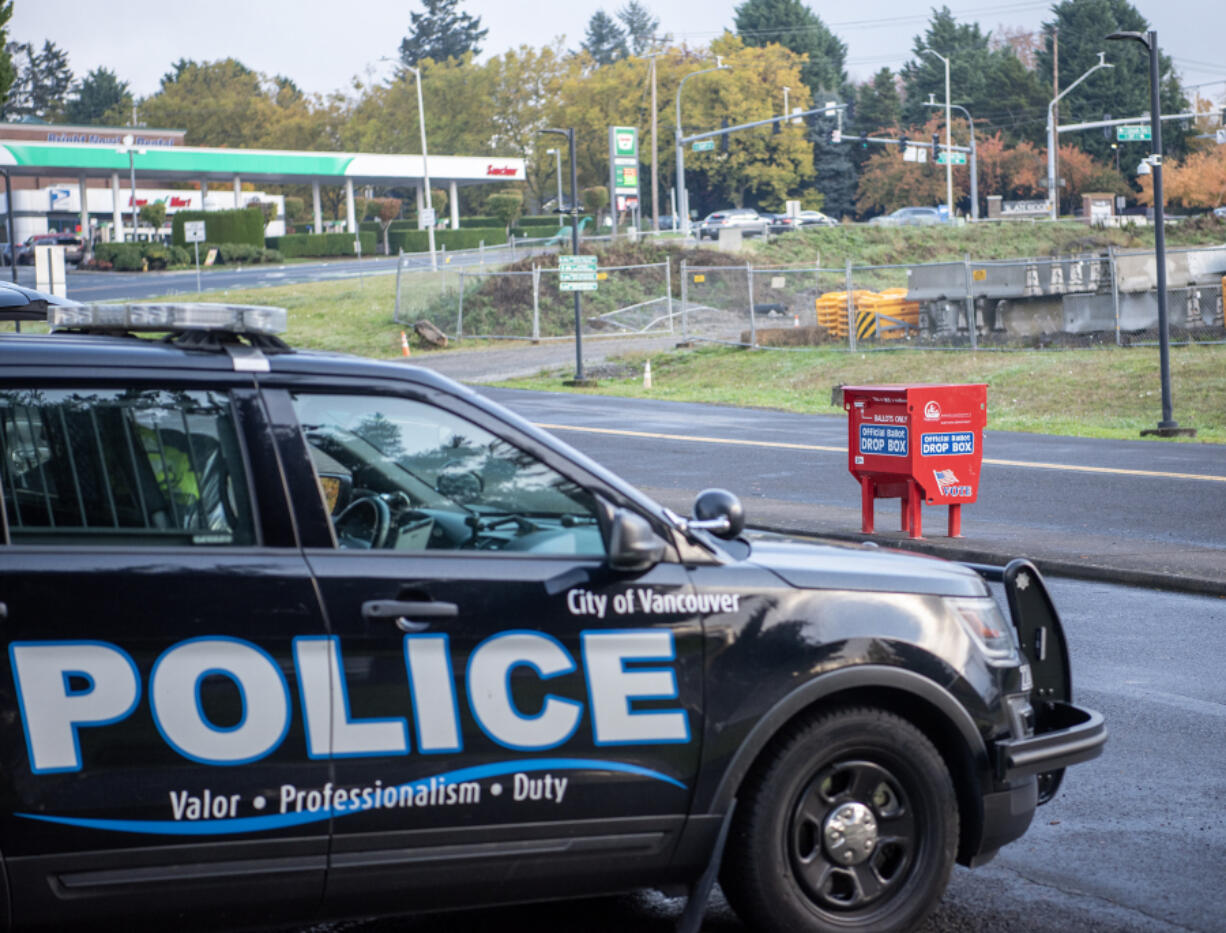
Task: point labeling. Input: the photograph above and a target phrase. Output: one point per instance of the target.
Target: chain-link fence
(1051, 301)
(529, 304)
(1073, 300)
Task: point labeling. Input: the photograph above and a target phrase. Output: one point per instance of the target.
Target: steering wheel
(368, 530)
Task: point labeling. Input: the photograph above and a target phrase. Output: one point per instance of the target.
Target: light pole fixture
(1168, 426)
(1053, 189)
(425, 170)
(974, 156)
(129, 146)
(949, 168)
(683, 195)
(557, 154)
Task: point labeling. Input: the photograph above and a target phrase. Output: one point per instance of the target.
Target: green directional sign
(1133, 134)
(577, 273)
(703, 145)
(953, 158)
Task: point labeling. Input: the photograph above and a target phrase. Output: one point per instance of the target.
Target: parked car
(74, 247)
(294, 635)
(909, 217)
(749, 222)
(781, 223)
(1220, 212)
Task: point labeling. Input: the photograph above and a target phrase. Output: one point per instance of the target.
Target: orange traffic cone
(404, 344)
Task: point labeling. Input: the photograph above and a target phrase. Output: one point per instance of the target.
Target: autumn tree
(1082, 174)
(153, 213)
(1197, 181)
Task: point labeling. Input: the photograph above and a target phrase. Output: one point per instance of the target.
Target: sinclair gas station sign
(623, 169)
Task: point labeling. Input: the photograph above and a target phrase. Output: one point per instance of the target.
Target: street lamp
(949, 168)
(132, 151)
(557, 154)
(425, 171)
(1168, 426)
(974, 157)
(1053, 190)
(682, 194)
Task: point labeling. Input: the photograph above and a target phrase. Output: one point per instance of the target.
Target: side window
(131, 466)
(407, 476)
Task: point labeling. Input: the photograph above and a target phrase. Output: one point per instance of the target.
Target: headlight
(982, 619)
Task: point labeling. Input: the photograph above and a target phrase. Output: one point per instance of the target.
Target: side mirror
(633, 545)
(719, 512)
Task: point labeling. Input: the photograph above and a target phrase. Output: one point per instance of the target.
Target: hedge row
(138, 257)
(418, 241)
(478, 222)
(238, 226)
(321, 244)
(547, 220)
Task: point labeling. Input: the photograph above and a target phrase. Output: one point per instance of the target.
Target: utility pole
(655, 183)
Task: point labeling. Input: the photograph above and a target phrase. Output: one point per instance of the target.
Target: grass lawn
(1110, 392)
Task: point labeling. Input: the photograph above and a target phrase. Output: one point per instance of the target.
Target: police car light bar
(175, 318)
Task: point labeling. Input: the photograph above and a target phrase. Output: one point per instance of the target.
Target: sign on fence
(577, 274)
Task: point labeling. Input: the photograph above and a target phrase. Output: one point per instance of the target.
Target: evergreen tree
(40, 89)
(794, 26)
(878, 103)
(99, 91)
(836, 173)
(1123, 90)
(7, 72)
(640, 26)
(605, 41)
(441, 33)
(991, 84)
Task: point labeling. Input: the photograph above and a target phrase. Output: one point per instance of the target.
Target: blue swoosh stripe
(251, 824)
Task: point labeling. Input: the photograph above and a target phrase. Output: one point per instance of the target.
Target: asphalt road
(1134, 843)
(117, 286)
(1134, 510)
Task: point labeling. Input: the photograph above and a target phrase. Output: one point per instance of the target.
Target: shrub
(418, 241)
(239, 252)
(320, 244)
(505, 206)
(271, 255)
(237, 226)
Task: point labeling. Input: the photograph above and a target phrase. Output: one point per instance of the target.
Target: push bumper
(1064, 735)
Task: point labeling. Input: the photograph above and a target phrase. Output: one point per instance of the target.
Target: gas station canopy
(270, 166)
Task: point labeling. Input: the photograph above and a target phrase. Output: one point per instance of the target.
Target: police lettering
(65, 687)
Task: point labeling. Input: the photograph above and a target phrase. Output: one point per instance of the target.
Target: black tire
(848, 823)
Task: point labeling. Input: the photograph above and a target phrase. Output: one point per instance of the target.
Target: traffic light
(776, 129)
(902, 144)
(936, 145)
(1107, 130)
(723, 139)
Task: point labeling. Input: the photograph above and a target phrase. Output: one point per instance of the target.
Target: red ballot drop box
(918, 443)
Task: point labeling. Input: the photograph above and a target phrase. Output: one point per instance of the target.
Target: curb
(1048, 566)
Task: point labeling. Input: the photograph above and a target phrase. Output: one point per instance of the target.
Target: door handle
(403, 613)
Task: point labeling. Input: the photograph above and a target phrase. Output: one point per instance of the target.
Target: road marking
(735, 442)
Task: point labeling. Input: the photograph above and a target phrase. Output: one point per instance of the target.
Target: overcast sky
(323, 44)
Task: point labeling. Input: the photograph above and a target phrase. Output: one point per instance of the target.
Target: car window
(401, 474)
(102, 466)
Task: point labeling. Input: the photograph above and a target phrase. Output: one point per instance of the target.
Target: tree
(1122, 90)
(1198, 181)
(793, 25)
(640, 26)
(7, 72)
(295, 211)
(153, 213)
(836, 173)
(595, 199)
(97, 93)
(389, 210)
(878, 103)
(604, 41)
(989, 82)
(40, 89)
(507, 205)
(441, 33)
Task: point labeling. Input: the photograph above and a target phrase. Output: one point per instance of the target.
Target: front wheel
(849, 823)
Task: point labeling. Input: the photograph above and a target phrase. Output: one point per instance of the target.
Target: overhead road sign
(953, 158)
(1133, 134)
(703, 145)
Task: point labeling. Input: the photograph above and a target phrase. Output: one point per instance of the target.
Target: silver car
(909, 217)
(749, 222)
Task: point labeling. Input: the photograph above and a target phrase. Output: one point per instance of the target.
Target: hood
(828, 566)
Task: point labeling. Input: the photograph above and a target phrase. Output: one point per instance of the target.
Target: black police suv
(298, 635)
